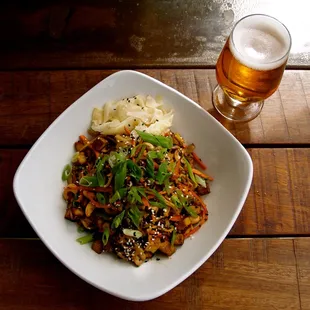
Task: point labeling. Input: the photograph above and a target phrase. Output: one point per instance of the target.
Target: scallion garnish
(85, 239)
(100, 197)
(90, 181)
(66, 172)
(105, 236)
(156, 140)
(118, 220)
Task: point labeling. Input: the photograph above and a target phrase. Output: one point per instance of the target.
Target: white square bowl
(38, 190)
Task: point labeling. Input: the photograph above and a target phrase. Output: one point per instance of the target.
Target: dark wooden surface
(36, 98)
(54, 51)
(251, 274)
(126, 33)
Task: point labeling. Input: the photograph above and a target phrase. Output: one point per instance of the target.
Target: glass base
(233, 109)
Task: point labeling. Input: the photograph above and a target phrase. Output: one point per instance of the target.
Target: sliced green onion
(141, 191)
(190, 171)
(100, 178)
(162, 173)
(118, 220)
(134, 214)
(132, 233)
(190, 211)
(85, 239)
(200, 181)
(134, 170)
(157, 204)
(105, 236)
(133, 151)
(133, 195)
(156, 140)
(174, 235)
(175, 200)
(181, 197)
(100, 197)
(120, 175)
(118, 195)
(90, 181)
(100, 162)
(149, 167)
(66, 172)
(116, 158)
(157, 154)
(80, 229)
(143, 147)
(157, 195)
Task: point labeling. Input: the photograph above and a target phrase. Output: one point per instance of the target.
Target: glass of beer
(250, 66)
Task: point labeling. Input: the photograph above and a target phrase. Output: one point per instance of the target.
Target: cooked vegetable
(135, 195)
(85, 239)
(66, 172)
(156, 140)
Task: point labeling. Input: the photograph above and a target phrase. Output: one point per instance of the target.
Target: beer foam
(260, 42)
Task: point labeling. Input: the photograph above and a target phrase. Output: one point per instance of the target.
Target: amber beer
(251, 64)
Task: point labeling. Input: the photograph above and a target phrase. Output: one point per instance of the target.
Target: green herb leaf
(66, 172)
(162, 173)
(85, 239)
(118, 220)
(90, 181)
(149, 167)
(105, 236)
(190, 171)
(190, 211)
(100, 197)
(120, 175)
(118, 195)
(134, 214)
(156, 140)
(134, 170)
(174, 234)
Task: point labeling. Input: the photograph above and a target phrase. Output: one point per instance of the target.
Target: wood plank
(260, 274)
(32, 100)
(96, 34)
(277, 204)
(301, 248)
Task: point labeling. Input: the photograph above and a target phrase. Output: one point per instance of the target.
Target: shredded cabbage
(139, 112)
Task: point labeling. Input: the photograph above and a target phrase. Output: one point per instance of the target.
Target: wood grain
(242, 274)
(277, 204)
(30, 101)
(110, 34)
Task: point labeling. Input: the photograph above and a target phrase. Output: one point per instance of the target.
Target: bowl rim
(202, 259)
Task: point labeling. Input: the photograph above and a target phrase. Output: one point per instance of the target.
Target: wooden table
(55, 51)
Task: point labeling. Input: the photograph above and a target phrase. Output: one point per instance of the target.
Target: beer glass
(250, 66)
